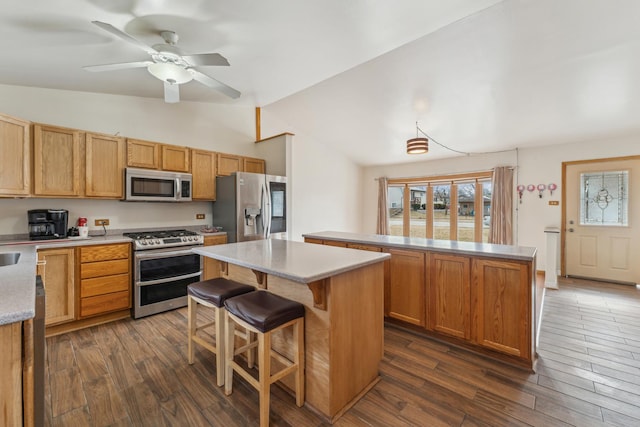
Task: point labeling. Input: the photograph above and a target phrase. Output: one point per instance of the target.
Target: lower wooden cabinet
(407, 286)
(449, 309)
(484, 303)
(502, 309)
(210, 266)
(56, 267)
(105, 279)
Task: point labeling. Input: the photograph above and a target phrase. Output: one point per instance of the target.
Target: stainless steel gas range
(163, 267)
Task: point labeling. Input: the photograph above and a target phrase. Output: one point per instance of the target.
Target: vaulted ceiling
(477, 75)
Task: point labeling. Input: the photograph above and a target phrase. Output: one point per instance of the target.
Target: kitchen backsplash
(121, 215)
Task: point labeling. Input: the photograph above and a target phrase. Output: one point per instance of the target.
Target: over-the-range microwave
(143, 185)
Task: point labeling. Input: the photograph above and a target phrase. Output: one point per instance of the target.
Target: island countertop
(523, 253)
(296, 261)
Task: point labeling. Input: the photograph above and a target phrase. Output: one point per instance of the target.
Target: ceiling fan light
(170, 73)
(417, 146)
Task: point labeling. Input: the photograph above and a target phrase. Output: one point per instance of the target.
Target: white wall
(224, 128)
(540, 165)
(325, 186)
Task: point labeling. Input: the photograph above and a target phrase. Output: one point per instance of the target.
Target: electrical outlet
(553, 203)
(100, 222)
(199, 216)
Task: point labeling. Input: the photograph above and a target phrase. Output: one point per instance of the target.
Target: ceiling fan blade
(126, 37)
(120, 66)
(215, 84)
(171, 93)
(200, 59)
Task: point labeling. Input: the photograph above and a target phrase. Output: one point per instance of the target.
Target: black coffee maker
(47, 224)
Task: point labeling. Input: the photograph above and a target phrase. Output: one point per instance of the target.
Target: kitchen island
(342, 291)
(481, 296)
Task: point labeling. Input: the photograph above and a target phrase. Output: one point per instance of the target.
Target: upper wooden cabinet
(104, 162)
(203, 169)
(143, 154)
(56, 161)
(15, 162)
(175, 158)
(228, 164)
(250, 164)
(449, 308)
(153, 155)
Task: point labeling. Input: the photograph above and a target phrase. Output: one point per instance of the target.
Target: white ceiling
(478, 75)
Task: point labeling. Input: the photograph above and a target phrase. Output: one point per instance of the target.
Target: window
(445, 208)
(604, 198)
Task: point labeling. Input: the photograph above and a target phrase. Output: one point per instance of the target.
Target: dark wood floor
(134, 373)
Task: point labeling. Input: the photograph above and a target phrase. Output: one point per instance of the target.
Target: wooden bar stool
(213, 293)
(263, 313)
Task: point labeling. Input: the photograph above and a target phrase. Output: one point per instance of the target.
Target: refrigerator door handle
(263, 203)
(268, 209)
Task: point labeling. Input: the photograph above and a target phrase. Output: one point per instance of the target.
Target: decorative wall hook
(552, 187)
(531, 188)
(520, 191)
(541, 188)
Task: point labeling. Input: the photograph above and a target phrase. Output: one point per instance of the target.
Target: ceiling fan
(169, 64)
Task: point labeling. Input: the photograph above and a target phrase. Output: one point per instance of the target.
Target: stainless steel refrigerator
(251, 206)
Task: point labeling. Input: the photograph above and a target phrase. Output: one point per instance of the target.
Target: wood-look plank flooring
(135, 373)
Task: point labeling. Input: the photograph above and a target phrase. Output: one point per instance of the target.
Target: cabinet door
(203, 170)
(407, 286)
(502, 312)
(228, 164)
(143, 154)
(15, 162)
(175, 158)
(449, 308)
(250, 164)
(56, 161)
(210, 266)
(104, 162)
(59, 279)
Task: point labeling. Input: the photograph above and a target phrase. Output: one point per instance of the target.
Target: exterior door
(602, 210)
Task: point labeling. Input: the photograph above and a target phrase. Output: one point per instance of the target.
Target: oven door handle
(164, 254)
(169, 279)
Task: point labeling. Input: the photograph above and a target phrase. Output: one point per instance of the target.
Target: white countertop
(18, 281)
(524, 253)
(295, 261)
(18, 285)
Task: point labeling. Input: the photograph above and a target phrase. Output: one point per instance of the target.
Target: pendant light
(417, 145)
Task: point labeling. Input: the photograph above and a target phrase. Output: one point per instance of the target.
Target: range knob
(142, 242)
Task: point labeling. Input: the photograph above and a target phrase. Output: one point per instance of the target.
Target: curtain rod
(453, 174)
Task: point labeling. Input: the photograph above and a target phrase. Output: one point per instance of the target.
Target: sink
(9, 258)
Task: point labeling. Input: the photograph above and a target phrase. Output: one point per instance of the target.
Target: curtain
(501, 228)
(382, 226)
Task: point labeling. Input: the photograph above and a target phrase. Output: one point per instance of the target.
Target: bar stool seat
(212, 293)
(264, 313)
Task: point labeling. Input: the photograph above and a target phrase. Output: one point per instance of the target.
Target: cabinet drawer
(104, 285)
(102, 268)
(104, 252)
(364, 247)
(215, 240)
(104, 303)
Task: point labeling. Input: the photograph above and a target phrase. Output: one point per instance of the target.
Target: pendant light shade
(417, 145)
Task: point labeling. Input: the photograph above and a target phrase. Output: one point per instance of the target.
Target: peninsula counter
(343, 292)
(481, 296)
